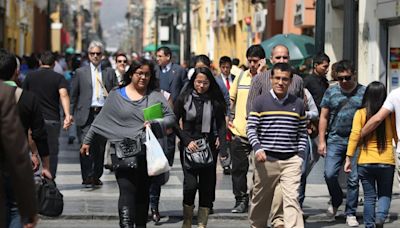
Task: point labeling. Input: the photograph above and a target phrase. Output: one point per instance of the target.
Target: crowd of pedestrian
(264, 115)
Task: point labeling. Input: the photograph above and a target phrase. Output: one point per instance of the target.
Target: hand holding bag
(201, 158)
(157, 163)
(50, 199)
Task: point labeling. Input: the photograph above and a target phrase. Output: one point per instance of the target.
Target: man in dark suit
(90, 87)
(171, 78)
(14, 159)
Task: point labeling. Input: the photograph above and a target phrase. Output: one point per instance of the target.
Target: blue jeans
(310, 159)
(155, 189)
(335, 156)
(381, 176)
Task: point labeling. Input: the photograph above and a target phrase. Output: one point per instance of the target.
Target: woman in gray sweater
(121, 120)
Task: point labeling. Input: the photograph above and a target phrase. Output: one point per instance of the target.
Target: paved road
(98, 207)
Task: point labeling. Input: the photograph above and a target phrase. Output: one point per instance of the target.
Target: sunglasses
(95, 53)
(121, 61)
(281, 57)
(347, 78)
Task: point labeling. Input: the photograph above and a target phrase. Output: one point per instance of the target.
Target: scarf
(191, 111)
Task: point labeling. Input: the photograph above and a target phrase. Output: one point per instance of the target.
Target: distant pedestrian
(376, 162)
(121, 118)
(51, 89)
(276, 129)
(201, 108)
(90, 88)
(235, 67)
(338, 106)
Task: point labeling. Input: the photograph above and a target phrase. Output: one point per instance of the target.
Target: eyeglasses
(284, 79)
(142, 74)
(95, 53)
(121, 61)
(204, 83)
(281, 57)
(342, 78)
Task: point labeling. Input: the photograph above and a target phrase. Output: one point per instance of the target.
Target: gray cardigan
(121, 118)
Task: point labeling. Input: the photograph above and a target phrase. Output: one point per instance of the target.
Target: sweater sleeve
(358, 123)
(253, 122)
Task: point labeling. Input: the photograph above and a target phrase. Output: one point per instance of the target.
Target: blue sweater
(278, 129)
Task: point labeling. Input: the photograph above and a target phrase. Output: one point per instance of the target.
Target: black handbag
(201, 158)
(50, 199)
(126, 152)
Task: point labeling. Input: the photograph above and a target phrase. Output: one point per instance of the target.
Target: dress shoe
(97, 182)
(88, 182)
(155, 215)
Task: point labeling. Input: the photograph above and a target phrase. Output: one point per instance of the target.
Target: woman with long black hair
(121, 121)
(202, 108)
(376, 162)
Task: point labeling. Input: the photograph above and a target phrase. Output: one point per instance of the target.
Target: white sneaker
(331, 213)
(352, 221)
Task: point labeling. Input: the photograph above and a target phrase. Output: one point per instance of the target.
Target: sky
(112, 17)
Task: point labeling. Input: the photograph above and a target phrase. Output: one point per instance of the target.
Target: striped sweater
(278, 129)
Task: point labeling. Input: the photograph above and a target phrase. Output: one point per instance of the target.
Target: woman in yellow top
(376, 161)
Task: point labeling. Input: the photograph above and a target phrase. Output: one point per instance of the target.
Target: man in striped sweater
(276, 129)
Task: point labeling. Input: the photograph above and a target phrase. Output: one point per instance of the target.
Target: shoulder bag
(126, 152)
(201, 158)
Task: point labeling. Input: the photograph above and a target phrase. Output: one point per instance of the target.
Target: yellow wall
(13, 28)
(232, 40)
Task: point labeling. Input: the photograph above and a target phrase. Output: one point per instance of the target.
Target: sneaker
(351, 221)
(242, 207)
(331, 213)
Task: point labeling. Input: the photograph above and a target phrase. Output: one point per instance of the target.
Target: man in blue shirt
(338, 106)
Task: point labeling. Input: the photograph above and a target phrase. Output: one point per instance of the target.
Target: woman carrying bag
(201, 107)
(121, 121)
(376, 160)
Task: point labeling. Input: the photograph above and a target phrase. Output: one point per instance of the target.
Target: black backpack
(50, 199)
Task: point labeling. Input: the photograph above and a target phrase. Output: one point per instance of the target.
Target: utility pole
(188, 38)
(320, 26)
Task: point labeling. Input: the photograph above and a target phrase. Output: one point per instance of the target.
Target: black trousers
(92, 165)
(240, 166)
(134, 191)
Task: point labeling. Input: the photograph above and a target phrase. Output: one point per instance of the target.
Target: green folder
(153, 112)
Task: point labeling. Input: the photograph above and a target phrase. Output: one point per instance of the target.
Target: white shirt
(97, 102)
(229, 79)
(392, 103)
(166, 68)
(280, 101)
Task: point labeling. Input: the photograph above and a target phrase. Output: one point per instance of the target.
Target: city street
(98, 208)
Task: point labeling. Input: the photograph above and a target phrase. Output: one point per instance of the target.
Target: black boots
(125, 217)
(241, 205)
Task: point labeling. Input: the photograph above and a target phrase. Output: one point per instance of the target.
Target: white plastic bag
(157, 163)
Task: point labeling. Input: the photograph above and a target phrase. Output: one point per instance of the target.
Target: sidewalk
(101, 203)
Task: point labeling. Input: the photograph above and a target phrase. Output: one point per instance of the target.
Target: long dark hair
(373, 99)
(136, 65)
(213, 92)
